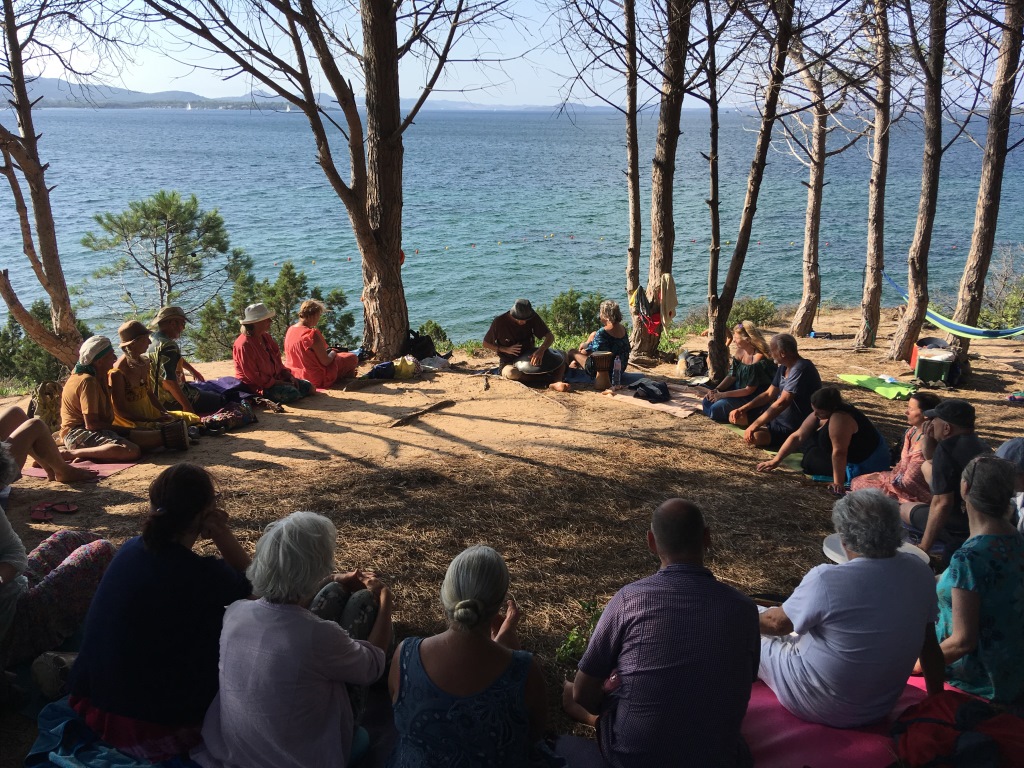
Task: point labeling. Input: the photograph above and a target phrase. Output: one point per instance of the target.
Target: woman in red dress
(307, 354)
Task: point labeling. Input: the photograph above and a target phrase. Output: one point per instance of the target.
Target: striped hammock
(956, 329)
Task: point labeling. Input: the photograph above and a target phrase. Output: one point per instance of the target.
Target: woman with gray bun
(469, 696)
(981, 603)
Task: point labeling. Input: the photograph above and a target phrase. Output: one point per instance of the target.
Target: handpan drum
(603, 362)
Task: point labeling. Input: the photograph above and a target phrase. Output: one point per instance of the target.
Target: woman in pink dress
(905, 481)
(307, 354)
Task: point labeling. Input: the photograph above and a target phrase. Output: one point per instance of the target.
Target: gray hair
(868, 522)
(292, 557)
(9, 469)
(991, 483)
(610, 311)
(474, 587)
(785, 343)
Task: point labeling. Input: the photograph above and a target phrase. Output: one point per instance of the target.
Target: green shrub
(1003, 301)
(572, 314)
(761, 311)
(22, 360)
(571, 650)
(433, 329)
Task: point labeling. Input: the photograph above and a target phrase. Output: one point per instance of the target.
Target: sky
(531, 73)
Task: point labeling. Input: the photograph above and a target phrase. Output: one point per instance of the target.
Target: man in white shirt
(859, 627)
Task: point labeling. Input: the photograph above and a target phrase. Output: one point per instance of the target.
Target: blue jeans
(720, 409)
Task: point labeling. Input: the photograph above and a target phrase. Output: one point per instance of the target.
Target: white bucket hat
(93, 349)
(256, 312)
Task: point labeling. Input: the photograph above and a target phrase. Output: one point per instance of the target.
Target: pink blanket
(778, 739)
(104, 470)
(683, 403)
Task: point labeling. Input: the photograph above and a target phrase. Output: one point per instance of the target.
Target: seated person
(859, 626)
(284, 669)
(511, 336)
(258, 360)
(468, 696)
(87, 413)
(1013, 451)
(169, 367)
(777, 413)
(44, 594)
(147, 669)
(668, 669)
(981, 600)
(750, 374)
(612, 337)
(835, 436)
(21, 437)
(131, 384)
(949, 445)
(308, 355)
(906, 481)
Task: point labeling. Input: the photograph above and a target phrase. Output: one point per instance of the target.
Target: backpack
(696, 363)
(955, 729)
(45, 405)
(231, 416)
(420, 347)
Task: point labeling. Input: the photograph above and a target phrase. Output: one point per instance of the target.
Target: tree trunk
(803, 320)
(909, 327)
(986, 211)
(23, 150)
(386, 316)
(663, 168)
(632, 158)
(769, 113)
(718, 354)
(871, 300)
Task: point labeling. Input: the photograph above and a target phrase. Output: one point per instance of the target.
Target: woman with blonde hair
(610, 337)
(469, 696)
(307, 354)
(750, 374)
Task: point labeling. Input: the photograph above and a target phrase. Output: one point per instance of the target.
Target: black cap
(957, 412)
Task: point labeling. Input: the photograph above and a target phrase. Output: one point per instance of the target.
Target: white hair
(292, 557)
(868, 522)
(474, 587)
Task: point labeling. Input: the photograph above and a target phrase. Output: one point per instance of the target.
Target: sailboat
(288, 108)
(188, 106)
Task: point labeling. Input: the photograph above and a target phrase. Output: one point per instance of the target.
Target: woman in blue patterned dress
(610, 337)
(469, 696)
(981, 601)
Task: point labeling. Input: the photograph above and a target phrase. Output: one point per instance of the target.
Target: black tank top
(863, 442)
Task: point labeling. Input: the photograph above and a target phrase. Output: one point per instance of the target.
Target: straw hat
(169, 313)
(254, 313)
(93, 349)
(130, 331)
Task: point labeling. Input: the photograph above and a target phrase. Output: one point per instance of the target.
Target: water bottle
(617, 372)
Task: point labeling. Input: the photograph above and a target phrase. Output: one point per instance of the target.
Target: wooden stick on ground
(416, 414)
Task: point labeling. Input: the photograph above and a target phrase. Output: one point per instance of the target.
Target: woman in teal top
(610, 337)
(981, 597)
(750, 374)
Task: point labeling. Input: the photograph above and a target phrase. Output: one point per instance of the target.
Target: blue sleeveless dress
(490, 729)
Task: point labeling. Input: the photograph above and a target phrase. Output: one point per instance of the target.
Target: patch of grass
(571, 651)
(11, 386)
(469, 346)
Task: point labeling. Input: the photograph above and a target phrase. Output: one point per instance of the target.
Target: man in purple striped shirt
(667, 674)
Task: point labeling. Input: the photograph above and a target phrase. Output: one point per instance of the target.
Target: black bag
(696, 363)
(651, 390)
(419, 346)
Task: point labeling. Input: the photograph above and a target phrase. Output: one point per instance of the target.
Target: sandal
(64, 508)
(41, 513)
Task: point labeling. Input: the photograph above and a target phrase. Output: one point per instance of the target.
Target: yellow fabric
(406, 367)
(138, 383)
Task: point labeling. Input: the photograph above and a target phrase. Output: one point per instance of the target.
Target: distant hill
(59, 93)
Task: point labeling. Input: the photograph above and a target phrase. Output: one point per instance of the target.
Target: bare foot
(506, 634)
(69, 473)
(560, 386)
(574, 710)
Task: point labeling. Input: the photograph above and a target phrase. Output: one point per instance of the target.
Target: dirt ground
(562, 484)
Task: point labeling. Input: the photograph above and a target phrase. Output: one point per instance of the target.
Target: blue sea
(497, 205)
